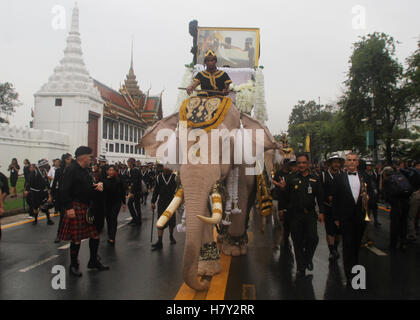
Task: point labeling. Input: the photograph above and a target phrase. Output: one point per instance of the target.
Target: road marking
(66, 246)
(122, 225)
(376, 251)
(38, 264)
(15, 224)
(218, 283)
(249, 292)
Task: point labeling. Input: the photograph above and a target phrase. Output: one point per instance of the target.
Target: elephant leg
(211, 265)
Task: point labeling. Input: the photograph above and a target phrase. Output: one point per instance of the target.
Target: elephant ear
(149, 140)
(253, 124)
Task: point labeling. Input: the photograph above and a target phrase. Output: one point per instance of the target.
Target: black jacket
(135, 180)
(344, 206)
(114, 191)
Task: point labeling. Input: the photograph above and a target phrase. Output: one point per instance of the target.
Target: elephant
(199, 179)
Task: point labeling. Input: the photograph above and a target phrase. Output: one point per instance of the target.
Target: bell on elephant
(227, 221)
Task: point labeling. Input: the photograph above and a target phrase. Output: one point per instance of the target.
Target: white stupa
(69, 102)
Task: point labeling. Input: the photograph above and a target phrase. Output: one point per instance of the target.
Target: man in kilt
(78, 191)
(39, 193)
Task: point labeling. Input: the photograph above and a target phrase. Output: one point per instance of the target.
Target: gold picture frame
(234, 47)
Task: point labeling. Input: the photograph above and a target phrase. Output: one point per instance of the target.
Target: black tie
(352, 173)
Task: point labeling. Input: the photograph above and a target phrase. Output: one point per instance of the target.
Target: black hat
(82, 150)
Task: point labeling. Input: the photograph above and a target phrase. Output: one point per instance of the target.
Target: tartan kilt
(77, 229)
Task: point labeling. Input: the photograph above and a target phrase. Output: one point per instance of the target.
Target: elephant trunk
(196, 200)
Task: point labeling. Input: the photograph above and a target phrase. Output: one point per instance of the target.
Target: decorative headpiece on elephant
(168, 137)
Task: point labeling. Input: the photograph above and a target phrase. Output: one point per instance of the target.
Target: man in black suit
(348, 212)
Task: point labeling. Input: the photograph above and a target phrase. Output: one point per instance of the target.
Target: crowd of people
(344, 195)
(87, 192)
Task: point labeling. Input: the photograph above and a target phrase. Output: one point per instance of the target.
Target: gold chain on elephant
(209, 251)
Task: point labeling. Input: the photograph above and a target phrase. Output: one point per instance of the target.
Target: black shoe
(111, 242)
(132, 222)
(35, 222)
(377, 224)
(74, 271)
(50, 222)
(392, 246)
(97, 265)
(157, 243)
(157, 246)
(173, 241)
(300, 274)
(57, 240)
(310, 266)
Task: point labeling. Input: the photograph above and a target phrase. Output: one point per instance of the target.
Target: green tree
(9, 99)
(315, 120)
(374, 88)
(412, 77)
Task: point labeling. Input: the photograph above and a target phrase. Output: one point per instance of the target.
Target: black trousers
(305, 237)
(399, 219)
(99, 213)
(134, 207)
(352, 231)
(111, 214)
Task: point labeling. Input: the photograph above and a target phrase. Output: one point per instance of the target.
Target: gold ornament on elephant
(203, 112)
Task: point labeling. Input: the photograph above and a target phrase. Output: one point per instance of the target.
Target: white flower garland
(260, 110)
(182, 94)
(245, 96)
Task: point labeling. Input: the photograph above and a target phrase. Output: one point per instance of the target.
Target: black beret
(82, 150)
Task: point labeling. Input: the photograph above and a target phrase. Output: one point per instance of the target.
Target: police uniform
(300, 194)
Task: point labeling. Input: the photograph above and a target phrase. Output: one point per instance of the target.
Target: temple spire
(131, 82)
(71, 75)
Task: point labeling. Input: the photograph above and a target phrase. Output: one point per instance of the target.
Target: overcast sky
(305, 45)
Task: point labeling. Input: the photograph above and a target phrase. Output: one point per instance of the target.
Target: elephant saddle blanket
(204, 112)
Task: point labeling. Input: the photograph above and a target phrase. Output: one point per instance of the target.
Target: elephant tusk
(168, 213)
(215, 219)
(217, 208)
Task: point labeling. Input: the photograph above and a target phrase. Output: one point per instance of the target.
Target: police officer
(278, 193)
(301, 189)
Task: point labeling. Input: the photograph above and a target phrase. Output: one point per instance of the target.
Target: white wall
(71, 118)
(32, 144)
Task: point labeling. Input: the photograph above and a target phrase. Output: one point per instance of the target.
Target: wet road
(28, 254)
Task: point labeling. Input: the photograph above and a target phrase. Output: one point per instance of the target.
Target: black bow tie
(352, 173)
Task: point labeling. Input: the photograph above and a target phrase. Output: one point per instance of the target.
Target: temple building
(110, 122)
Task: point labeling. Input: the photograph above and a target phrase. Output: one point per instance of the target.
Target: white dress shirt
(354, 182)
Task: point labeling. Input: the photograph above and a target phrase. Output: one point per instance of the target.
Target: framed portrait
(234, 47)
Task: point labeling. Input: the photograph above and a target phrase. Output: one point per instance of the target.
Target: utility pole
(375, 146)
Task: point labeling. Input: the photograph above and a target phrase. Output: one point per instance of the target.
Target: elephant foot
(219, 238)
(231, 250)
(244, 249)
(209, 267)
